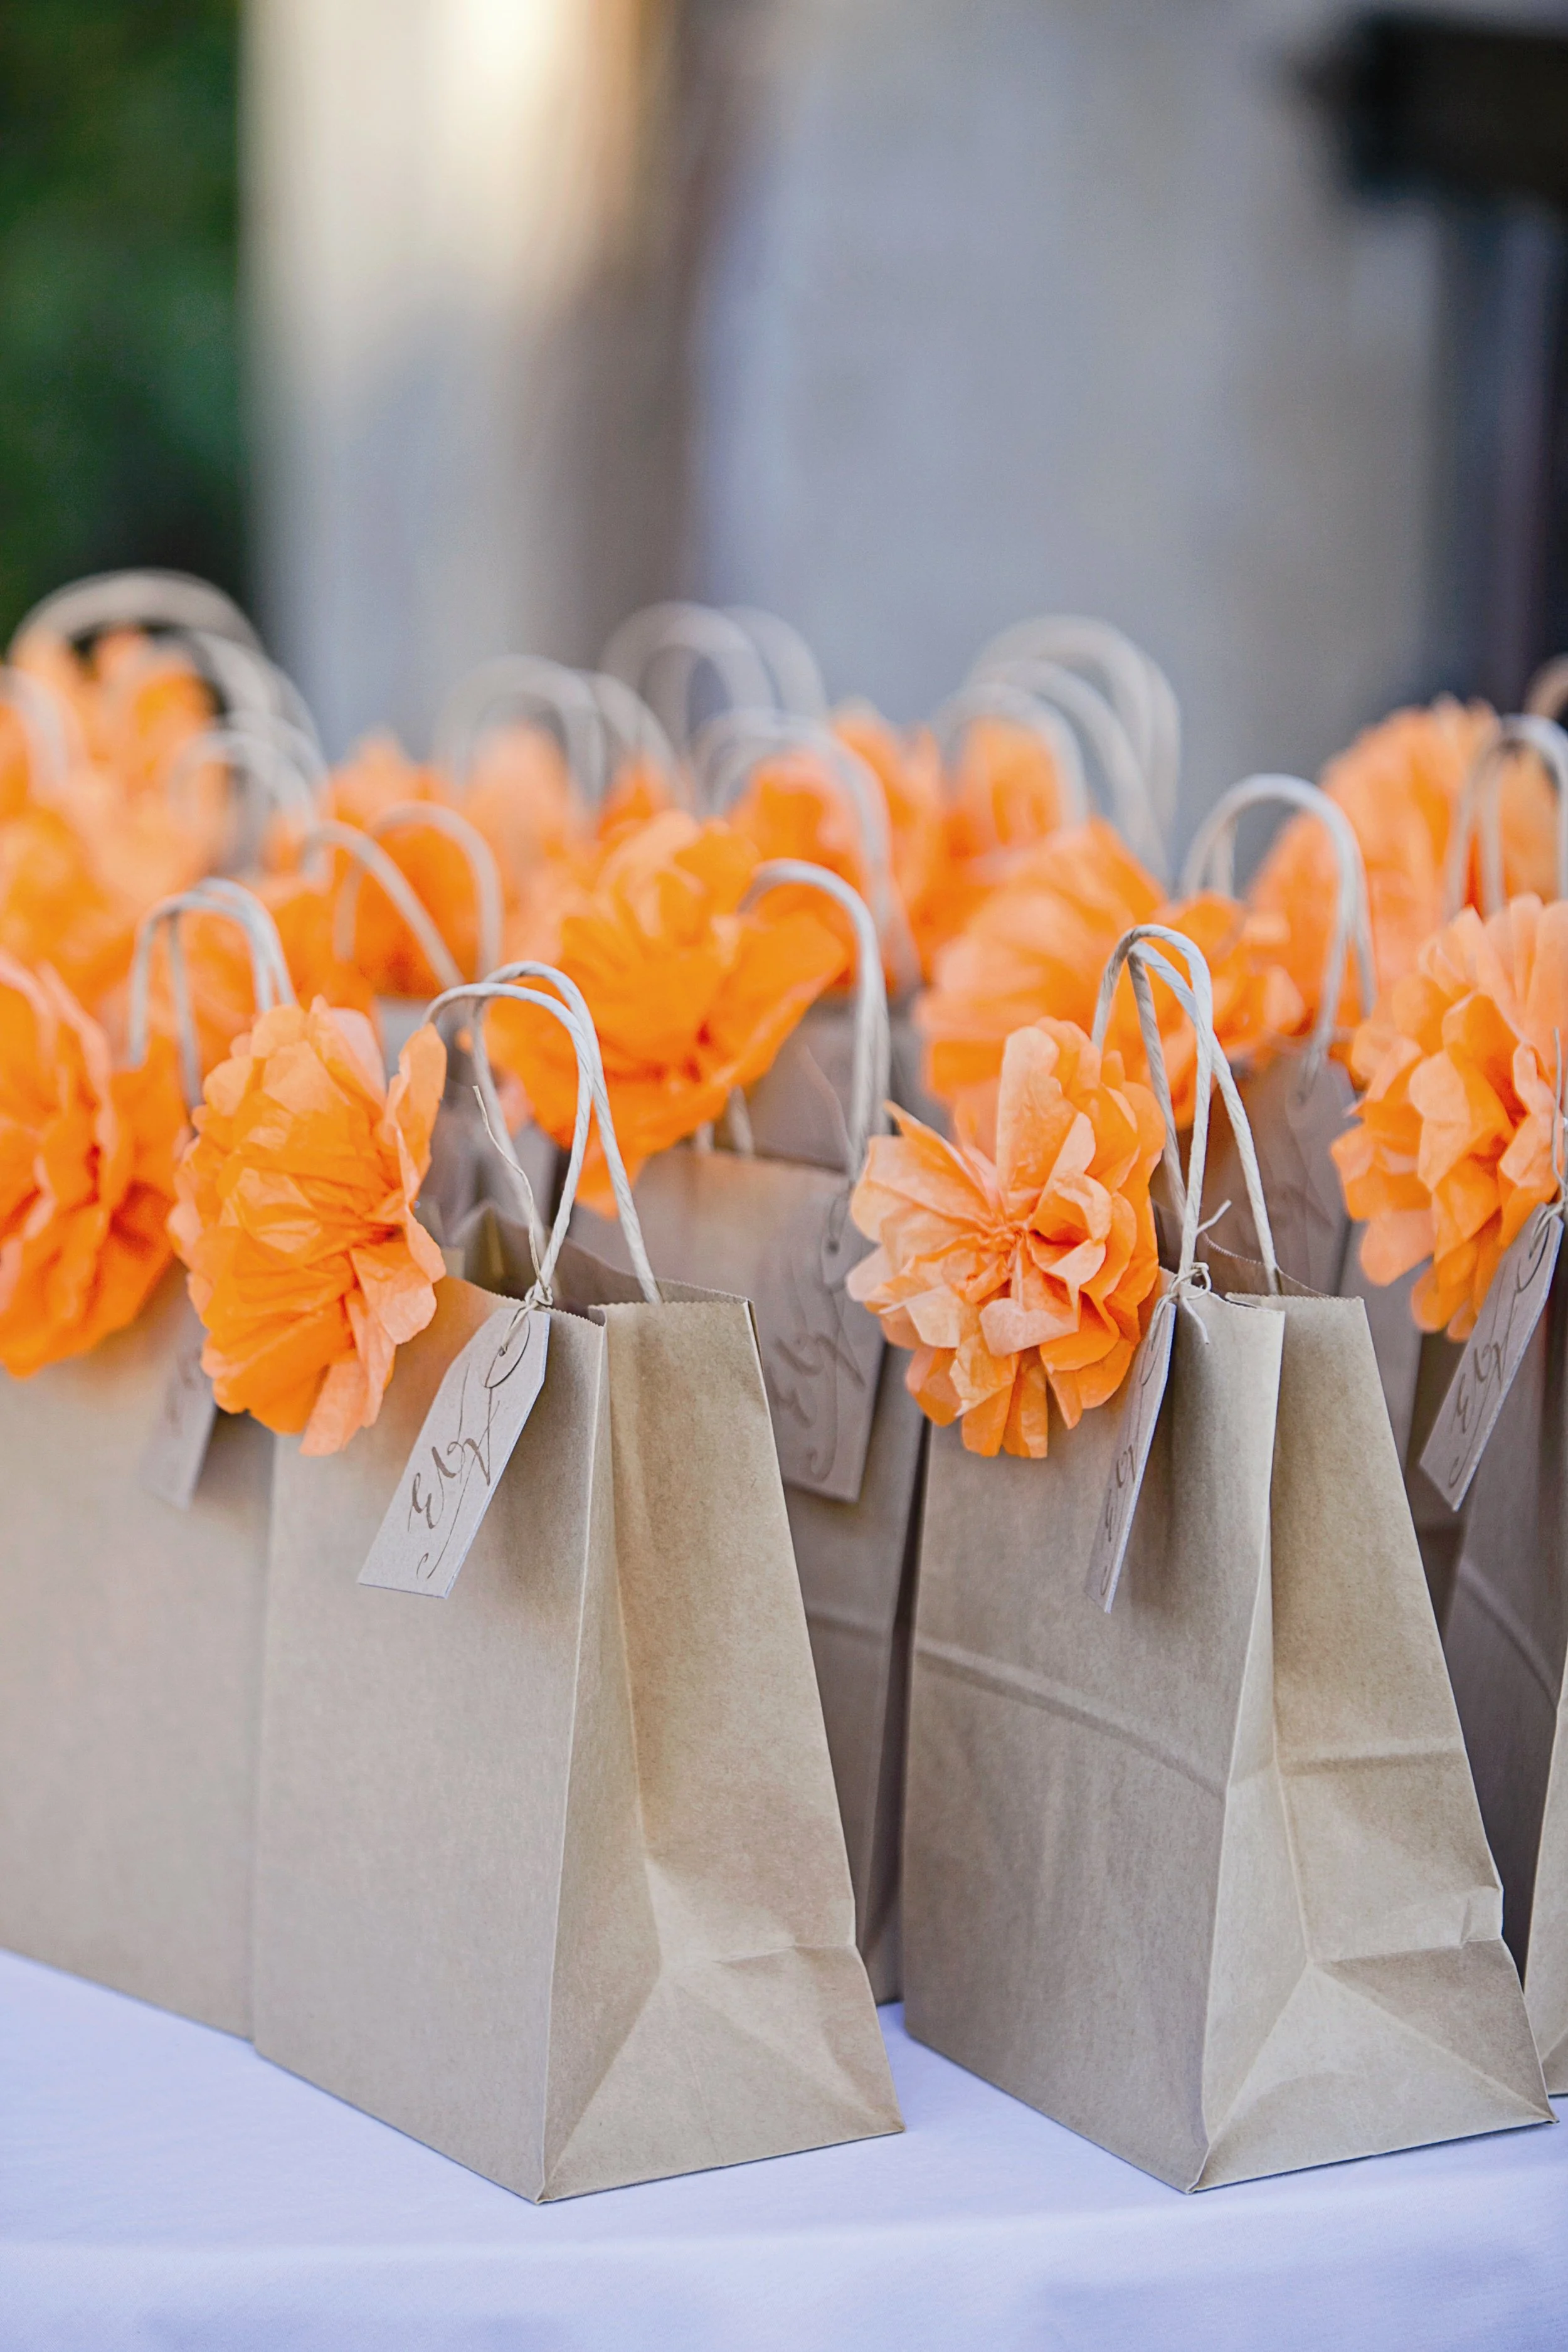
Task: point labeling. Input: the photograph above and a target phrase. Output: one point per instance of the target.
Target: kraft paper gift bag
(1296, 1106)
(850, 1438)
(1202, 1874)
(550, 1873)
(130, 1642)
(1506, 1633)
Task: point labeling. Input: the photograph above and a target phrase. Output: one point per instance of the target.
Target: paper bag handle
(1211, 862)
(277, 765)
(331, 833)
(269, 968)
(1136, 686)
(1196, 996)
(1480, 805)
(797, 679)
(592, 1098)
(1054, 685)
(872, 1063)
(998, 697)
(683, 639)
(431, 816)
(735, 743)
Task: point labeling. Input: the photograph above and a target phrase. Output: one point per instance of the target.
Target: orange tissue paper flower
(1036, 947)
(218, 972)
(1399, 785)
(295, 1216)
(1453, 1143)
(87, 1173)
(377, 777)
(690, 997)
(1019, 1262)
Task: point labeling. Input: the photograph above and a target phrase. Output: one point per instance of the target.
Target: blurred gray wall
(930, 313)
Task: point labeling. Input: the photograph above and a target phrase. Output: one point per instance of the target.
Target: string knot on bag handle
(1143, 951)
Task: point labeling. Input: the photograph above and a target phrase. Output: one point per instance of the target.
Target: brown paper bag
(1296, 1106)
(550, 1873)
(850, 1438)
(1204, 1877)
(1505, 1640)
(131, 1639)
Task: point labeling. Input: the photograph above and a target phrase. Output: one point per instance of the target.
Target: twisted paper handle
(1212, 860)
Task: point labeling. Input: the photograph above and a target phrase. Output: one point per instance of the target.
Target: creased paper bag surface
(850, 1442)
(549, 1875)
(130, 1674)
(1204, 1877)
(1505, 1638)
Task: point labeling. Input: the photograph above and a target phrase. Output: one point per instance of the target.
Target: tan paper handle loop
(368, 856)
(48, 726)
(1480, 805)
(871, 1063)
(137, 600)
(253, 690)
(1136, 686)
(1547, 693)
(731, 746)
(531, 686)
(634, 732)
(669, 645)
(1100, 727)
(278, 769)
(798, 683)
(998, 697)
(431, 816)
(269, 977)
(1211, 861)
(570, 1009)
(1140, 948)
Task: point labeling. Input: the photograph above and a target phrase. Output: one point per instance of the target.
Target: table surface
(161, 2186)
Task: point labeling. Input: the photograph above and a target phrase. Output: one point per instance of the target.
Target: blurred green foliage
(120, 424)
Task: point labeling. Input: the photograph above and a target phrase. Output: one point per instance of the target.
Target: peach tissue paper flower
(1458, 1136)
(1018, 1263)
(87, 1174)
(295, 1216)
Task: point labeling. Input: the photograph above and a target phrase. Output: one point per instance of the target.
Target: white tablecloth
(162, 2187)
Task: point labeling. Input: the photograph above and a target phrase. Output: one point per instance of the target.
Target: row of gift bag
(489, 1787)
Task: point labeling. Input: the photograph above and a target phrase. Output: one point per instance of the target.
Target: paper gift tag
(171, 1459)
(1140, 1415)
(486, 1396)
(1493, 1354)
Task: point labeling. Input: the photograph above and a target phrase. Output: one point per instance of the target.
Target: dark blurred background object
(901, 317)
(119, 402)
(1471, 113)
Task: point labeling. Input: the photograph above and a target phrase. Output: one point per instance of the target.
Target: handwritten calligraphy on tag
(486, 1395)
(1493, 1354)
(1140, 1415)
(176, 1447)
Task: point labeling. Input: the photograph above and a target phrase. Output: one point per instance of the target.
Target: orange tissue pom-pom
(295, 1216)
(1036, 947)
(1021, 1259)
(690, 998)
(87, 1174)
(1399, 784)
(1454, 1138)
